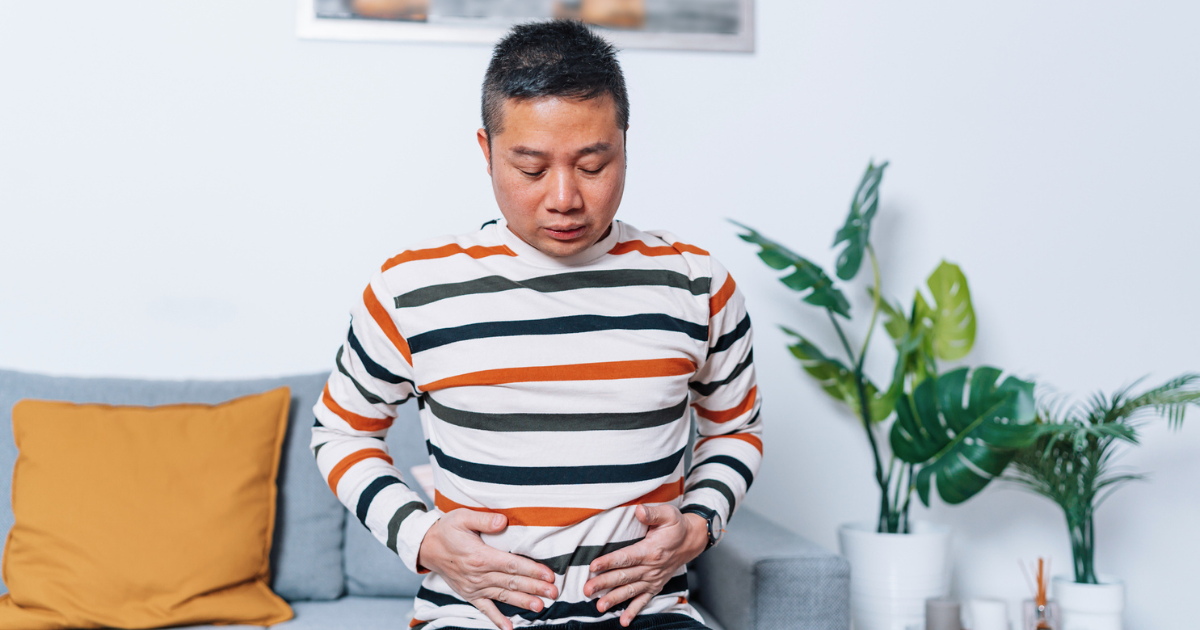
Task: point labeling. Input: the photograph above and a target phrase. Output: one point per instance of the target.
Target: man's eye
(592, 172)
(533, 174)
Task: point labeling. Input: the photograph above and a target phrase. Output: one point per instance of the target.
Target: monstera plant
(954, 431)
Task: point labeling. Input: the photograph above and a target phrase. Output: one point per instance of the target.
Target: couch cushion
(135, 516)
(373, 570)
(306, 556)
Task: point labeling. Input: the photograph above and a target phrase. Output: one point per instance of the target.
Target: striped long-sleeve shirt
(556, 391)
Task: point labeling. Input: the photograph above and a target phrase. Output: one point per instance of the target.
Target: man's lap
(659, 621)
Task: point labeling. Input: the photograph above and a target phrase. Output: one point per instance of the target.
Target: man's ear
(486, 147)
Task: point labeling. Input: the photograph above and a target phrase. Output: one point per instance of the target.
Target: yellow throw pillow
(141, 517)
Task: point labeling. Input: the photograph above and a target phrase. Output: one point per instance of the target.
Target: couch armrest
(764, 577)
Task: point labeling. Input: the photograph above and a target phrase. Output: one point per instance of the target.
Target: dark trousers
(660, 621)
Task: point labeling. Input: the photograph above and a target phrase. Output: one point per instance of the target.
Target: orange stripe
(726, 415)
(682, 600)
(385, 322)
(608, 370)
(475, 251)
(661, 494)
(717, 302)
(662, 250)
(745, 437)
(560, 517)
(356, 422)
(416, 622)
(335, 475)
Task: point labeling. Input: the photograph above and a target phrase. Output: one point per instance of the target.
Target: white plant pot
(1089, 606)
(891, 575)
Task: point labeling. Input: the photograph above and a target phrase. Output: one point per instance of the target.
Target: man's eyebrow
(599, 147)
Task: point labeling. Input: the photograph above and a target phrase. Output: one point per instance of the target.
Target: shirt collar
(535, 256)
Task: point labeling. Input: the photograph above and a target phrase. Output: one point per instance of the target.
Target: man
(555, 355)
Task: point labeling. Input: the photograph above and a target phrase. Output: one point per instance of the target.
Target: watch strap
(709, 515)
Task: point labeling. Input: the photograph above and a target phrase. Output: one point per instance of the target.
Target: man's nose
(564, 194)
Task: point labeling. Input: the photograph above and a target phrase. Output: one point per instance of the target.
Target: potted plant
(955, 431)
(1071, 463)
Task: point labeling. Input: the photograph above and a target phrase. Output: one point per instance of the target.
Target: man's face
(558, 170)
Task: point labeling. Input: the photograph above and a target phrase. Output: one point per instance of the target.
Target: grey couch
(337, 576)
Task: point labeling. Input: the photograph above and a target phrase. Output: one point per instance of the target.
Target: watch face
(718, 527)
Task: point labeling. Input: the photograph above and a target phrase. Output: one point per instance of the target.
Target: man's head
(555, 113)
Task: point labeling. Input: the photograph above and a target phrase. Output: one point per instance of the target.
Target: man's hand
(640, 570)
(453, 549)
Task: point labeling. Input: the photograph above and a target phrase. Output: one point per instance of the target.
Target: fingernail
(497, 520)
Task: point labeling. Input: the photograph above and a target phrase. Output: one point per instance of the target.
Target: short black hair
(561, 58)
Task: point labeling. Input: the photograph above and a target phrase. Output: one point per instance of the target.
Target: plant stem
(865, 411)
(842, 336)
(875, 312)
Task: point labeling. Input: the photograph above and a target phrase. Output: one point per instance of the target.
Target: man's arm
(725, 396)
(372, 376)
(724, 461)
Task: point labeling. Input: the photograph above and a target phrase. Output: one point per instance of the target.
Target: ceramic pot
(1089, 606)
(891, 575)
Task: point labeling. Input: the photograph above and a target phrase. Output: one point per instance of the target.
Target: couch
(335, 575)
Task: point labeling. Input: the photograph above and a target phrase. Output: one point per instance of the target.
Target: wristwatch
(716, 528)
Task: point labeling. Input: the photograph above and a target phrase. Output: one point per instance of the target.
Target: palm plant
(1071, 461)
(961, 428)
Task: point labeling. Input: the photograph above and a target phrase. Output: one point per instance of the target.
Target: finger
(634, 608)
(515, 598)
(615, 578)
(521, 584)
(632, 555)
(488, 608)
(620, 594)
(520, 565)
(654, 515)
(476, 521)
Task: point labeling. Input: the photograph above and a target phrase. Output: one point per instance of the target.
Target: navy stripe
(373, 368)
(732, 462)
(743, 427)
(398, 518)
(556, 475)
(367, 394)
(492, 222)
(557, 610)
(555, 326)
(731, 337)
(719, 487)
(368, 495)
(605, 279)
(556, 421)
(583, 555)
(706, 389)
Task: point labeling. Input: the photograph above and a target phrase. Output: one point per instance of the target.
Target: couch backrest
(306, 555)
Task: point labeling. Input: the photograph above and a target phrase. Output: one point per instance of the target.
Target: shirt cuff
(412, 532)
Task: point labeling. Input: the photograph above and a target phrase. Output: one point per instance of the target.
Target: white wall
(186, 190)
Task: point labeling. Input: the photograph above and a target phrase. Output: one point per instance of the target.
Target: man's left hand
(640, 570)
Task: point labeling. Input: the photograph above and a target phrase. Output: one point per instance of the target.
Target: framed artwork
(666, 24)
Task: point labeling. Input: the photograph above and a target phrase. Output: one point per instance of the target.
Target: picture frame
(705, 25)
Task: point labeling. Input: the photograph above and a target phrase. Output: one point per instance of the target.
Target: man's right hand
(453, 549)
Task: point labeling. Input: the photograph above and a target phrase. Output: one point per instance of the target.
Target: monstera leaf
(805, 277)
(856, 233)
(952, 316)
(963, 437)
(838, 380)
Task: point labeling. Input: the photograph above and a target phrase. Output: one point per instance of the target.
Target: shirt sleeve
(373, 375)
(725, 397)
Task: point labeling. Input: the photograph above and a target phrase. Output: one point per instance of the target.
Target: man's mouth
(566, 233)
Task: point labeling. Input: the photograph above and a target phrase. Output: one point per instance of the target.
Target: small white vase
(1089, 606)
(891, 575)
